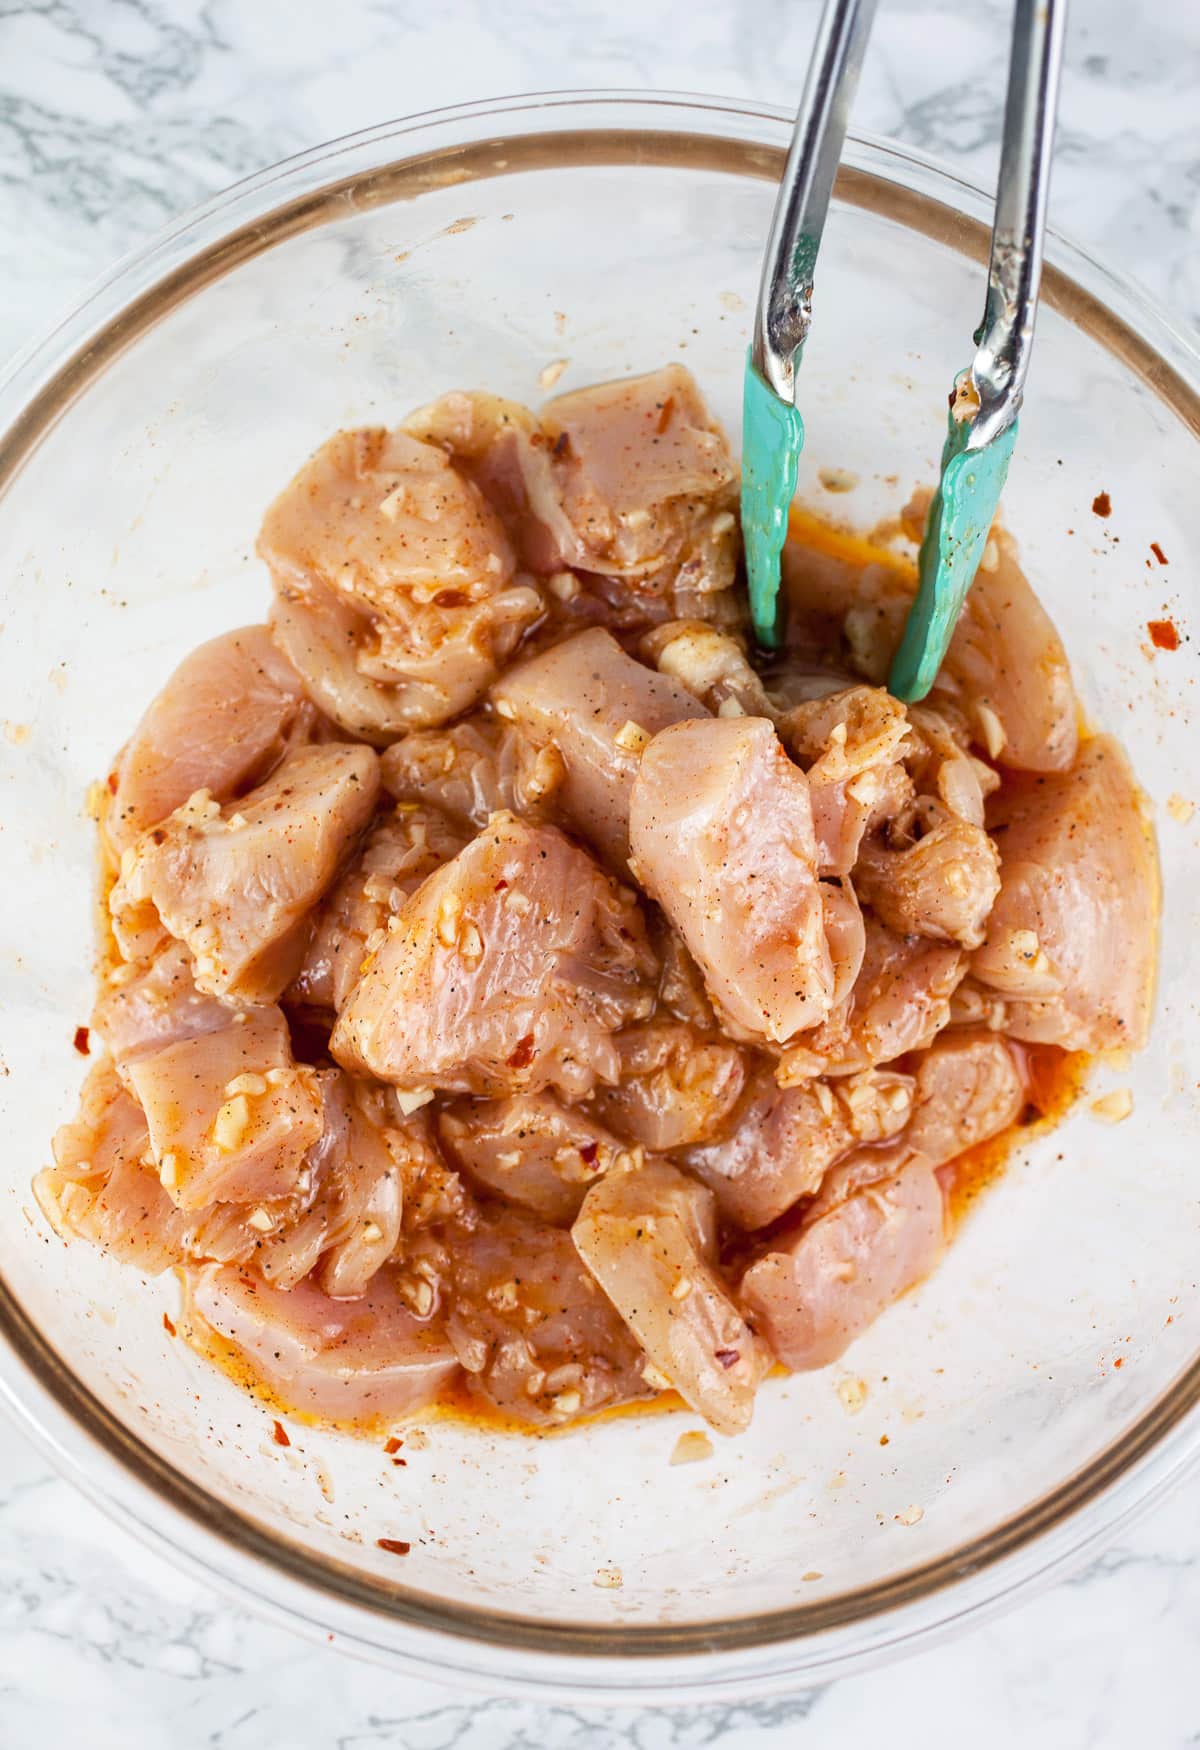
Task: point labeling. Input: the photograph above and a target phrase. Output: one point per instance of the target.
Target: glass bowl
(1044, 1383)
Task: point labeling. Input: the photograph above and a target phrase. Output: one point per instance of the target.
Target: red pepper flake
(1158, 553)
(1163, 634)
(884, 1440)
(1119, 1362)
(664, 414)
(589, 1151)
(522, 1057)
(111, 781)
(403, 1461)
(82, 1041)
(168, 1326)
(279, 1434)
(392, 1445)
(393, 1545)
(500, 886)
(728, 1357)
(1102, 504)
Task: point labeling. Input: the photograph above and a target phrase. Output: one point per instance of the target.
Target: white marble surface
(117, 114)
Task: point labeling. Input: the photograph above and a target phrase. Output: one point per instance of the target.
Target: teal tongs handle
(772, 430)
(987, 396)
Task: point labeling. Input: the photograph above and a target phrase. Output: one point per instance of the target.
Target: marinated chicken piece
(721, 832)
(1072, 938)
(677, 1087)
(900, 1002)
(342, 1222)
(970, 1086)
(507, 971)
(1010, 671)
(820, 1284)
(936, 875)
(711, 664)
(154, 1005)
(849, 743)
(363, 1360)
(237, 884)
(941, 766)
(230, 1114)
(222, 721)
(499, 446)
(474, 768)
(648, 1236)
(383, 527)
(535, 1335)
(530, 1150)
(600, 708)
(100, 1187)
(641, 486)
(784, 1140)
(401, 850)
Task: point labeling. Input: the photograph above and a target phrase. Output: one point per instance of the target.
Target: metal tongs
(986, 397)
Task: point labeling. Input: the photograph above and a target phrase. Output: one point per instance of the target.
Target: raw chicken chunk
(381, 545)
(401, 850)
(677, 1087)
(237, 884)
(784, 1140)
(362, 1360)
(474, 768)
(721, 832)
(849, 743)
(936, 876)
(820, 1285)
(507, 971)
(642, 486)
(155, 1005)
(230, 1114)
(101, 1188)
(531, 1150)
(221, 722)
(535, 1335)
(600, 708)
(900, 1002)
(970, 1086)
(648, 1236)
(1072, 938)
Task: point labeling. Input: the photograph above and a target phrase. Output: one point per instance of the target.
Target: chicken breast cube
(677, 1087)
(101, 1188)
(1010, 669)
(648, 1236)
(351, 1361)
(230, 1114)
(394, 578)
(401, 850)
(474, 768)
(157, 1005)
(530, 1150)
(236, 884)
(221, 722)
(784, 1140)
(1072, 938)
(599, 708)
(941, 884)
(722, 836)
(537, 1338)
(507, 971)
(641, 483)
(900, 1002)
(820, 1285)
(970, 1086)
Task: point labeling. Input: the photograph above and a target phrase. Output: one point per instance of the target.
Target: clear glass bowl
(141, 443)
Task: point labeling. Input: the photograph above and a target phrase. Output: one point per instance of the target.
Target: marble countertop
(116, 115)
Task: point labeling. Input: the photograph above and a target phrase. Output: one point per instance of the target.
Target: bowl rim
(124, 1476)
